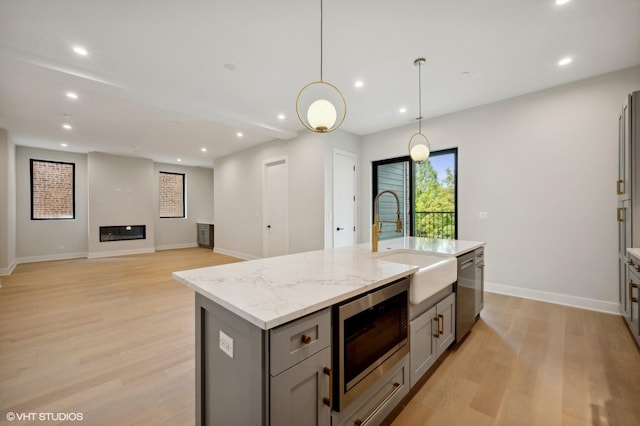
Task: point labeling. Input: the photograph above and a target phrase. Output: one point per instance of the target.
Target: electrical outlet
(226, 344)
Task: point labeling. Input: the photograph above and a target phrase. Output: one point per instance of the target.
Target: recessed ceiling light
(565, 61)
(72, 95)
(178, 160)
(67, 126)
(402, 110)
(239, 134)
(562, 1)
(80, 50)
(359, 83)
(64, 145)
(203, 149)
(281, 117)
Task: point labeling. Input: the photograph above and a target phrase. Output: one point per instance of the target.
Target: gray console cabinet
(432, 332)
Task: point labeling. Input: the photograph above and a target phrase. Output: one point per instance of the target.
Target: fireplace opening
(119, 233)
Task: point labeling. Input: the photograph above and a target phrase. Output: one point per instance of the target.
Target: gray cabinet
(431, 334)
(300, 395)
(479, 280)
(630, 296)
(205, 235)
(628, 209)
(301, 371)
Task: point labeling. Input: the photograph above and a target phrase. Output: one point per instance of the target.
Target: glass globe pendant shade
(321, 115)
(321, 107)
(419, 148)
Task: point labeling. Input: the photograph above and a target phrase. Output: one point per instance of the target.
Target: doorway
(275, 207)
(344, 198)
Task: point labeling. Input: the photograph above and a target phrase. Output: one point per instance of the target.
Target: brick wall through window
(172, 194)
(52, 190)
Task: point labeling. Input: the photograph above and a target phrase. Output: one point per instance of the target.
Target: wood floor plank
(113, 339)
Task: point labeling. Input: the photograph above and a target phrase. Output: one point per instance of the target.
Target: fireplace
(124, 232)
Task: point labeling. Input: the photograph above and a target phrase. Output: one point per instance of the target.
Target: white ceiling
(155, 84)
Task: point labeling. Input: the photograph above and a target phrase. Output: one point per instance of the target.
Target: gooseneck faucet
(376, 228)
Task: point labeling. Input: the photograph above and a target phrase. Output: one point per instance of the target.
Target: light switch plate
(226, 344)
(483, 215)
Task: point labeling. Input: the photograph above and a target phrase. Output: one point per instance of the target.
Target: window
(172, 195)
(52, 190)
(427, 193)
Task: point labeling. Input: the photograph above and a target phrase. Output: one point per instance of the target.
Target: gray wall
(182, 232)
(26, 240)
(49, 239)
(7, 203)
(238, 193)
(120, 193)
(544, 167)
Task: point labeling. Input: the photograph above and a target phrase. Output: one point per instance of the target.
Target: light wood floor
(113, 339)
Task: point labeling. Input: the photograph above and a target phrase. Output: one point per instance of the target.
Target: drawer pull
(396, 388)
(618, 190)
(440, 325)
(620, 209)
(327, 401)
(306, 339)
(631, 262)
(632, 285)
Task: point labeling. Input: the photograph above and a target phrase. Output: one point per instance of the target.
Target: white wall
(182, 232)
(120, 193)
(49, 239)
(7, 203)
(543, 166)
(238, 195)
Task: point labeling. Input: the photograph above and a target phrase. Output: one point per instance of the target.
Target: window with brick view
(172, 195)
(52, 190)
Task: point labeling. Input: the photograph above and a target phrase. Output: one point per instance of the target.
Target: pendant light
(317, 101)
(419, 148)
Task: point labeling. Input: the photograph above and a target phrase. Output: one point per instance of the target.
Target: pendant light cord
(321, 14)
(419, 97)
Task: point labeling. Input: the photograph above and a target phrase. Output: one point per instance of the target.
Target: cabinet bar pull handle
(327, 401)
(618, 190)
(306, 339)
(631, 262)
(396, 388)
(632, 285)
(440, 324)
(620, 218)
(437, 333)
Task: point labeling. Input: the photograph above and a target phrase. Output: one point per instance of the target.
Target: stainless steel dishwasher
(465, 295)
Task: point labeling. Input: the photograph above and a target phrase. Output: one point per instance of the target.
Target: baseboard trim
(9, 270)
(557, 298)
(50, 257)
(235, 254)
(176, 246)
(97, 255)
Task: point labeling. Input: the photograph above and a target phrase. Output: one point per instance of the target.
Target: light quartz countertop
(272, 291)
(634, 252)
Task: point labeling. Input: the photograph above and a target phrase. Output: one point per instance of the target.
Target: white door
(344, 198)
(276, 208)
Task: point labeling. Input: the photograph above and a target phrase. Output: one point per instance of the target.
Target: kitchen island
(259, 322)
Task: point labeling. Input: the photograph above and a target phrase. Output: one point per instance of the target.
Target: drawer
(479, 255)
(373, 406)
(291, 343)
